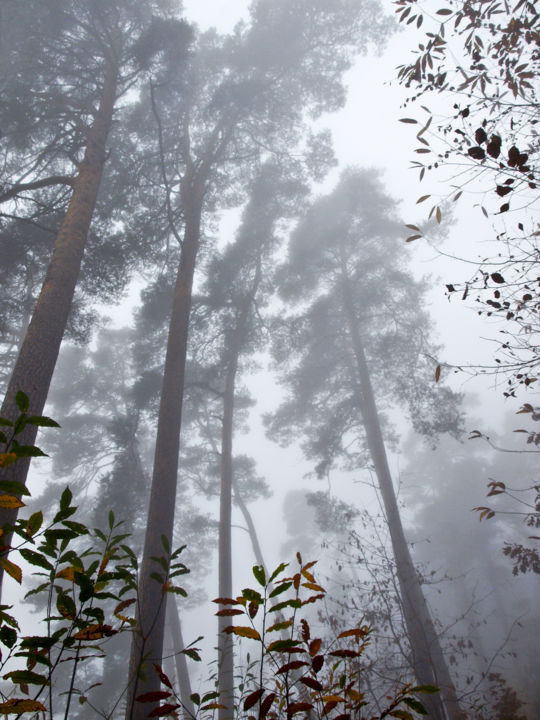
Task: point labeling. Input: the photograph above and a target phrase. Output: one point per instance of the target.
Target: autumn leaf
(7, 459)
(355, 632)
(12, 570)
(154, 696)
(95, 632)
(15, 706)
(247, 632)
(253, 698)
(10, 502)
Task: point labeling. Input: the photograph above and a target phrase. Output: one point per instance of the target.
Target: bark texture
(427, 659)
(147, 643)
(37, 357)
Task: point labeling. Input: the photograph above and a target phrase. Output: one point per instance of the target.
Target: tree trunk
(255, 544)
(147, 642)
(36, 361)
(225, 641)
(180, 661)
(427, 657)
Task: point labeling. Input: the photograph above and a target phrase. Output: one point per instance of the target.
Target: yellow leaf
(68, 573)
(17, 707)
(333, 698)
(95, 632)
(355, 632)
(7, 459)
(10, 502)
(13, 570)
(243, 632)
(314, 586)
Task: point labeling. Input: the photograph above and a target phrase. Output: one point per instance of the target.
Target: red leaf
(330, 705)
(154, 696)
(267, 704)
(317, 662)
(164, 679)
(293, 665)
(344, 653)
(311, 683)
(298, 707)
(162, 710)
(253, 698)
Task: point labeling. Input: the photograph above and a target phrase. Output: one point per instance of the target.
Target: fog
(269, 303)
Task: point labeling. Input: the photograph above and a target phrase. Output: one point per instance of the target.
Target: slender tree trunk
(180, 661)
(36, 361)
(147, 643)
(255, 544)
(225, 641)
(427, 657)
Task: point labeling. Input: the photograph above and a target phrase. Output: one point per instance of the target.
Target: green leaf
(41, 421)
(34, 522)
(34, 642)
(279, 589)
(166, 544)
(191, 653)
(65, 499)
(415, 705)
(177, 590)
(79, 528)
(13, 486)
(277, 571)
(430, 689)
(260, 575)
(252, 595)
(8, 636)
(86, 585)
(279, 645)
(27, 450)
(22, 401)
(66, 607)
(288, 603)
(35, 558)
(25, 677)
(401, 714)
(4, 422)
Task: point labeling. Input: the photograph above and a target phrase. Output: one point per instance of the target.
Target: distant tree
(248, 94)
(239, 285)
(359, 345)
(74, 64)
(104, 454)
(482, 58)
(482, 601)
